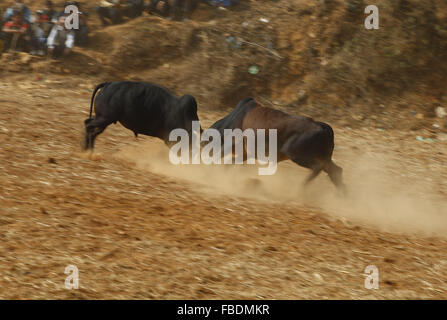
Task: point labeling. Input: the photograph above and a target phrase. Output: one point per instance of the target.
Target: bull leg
(312, 164)
(96, 132)
(315, 172)
(335, 174)
(295, 151)
(93, 128)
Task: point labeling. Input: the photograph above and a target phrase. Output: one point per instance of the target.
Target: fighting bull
(306, 142)
(141, 107)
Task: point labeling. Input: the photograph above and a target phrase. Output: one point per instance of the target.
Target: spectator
(81, 34)
(16, 33)
(183, 7)
(60, 41)
(110, 10)
(2, 46)
(160, 7)
(48, 14)
(115, 10)
(38, 36)
(1, 22)
(222, 3)
(135, 8)
(18, 6)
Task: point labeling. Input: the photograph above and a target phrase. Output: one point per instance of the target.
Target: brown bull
(306, 142)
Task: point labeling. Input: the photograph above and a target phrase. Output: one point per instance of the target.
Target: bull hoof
(84, 146)
(96, 156)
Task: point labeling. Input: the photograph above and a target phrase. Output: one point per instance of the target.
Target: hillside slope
(315, 58)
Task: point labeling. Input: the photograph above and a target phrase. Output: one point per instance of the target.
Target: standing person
(46, 18)
(60, 41)
(17, 33)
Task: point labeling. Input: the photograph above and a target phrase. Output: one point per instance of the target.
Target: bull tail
(99, 86)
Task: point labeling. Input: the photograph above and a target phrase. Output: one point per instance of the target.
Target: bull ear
(189, 104)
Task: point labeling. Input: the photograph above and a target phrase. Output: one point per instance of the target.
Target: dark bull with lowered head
(306, 142)
(141, 107)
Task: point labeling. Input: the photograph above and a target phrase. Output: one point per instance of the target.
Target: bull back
(235, 118)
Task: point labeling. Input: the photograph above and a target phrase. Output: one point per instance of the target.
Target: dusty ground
(138, 228)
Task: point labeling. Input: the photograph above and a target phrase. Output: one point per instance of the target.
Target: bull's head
(188, 105)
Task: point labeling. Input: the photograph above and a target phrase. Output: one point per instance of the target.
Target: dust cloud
(378, 196)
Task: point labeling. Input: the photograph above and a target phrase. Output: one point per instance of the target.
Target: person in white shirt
(60, 41)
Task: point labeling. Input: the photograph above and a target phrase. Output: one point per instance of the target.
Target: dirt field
(138, 227)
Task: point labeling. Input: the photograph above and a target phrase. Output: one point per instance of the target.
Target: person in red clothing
(17, 33)
(48, 14)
